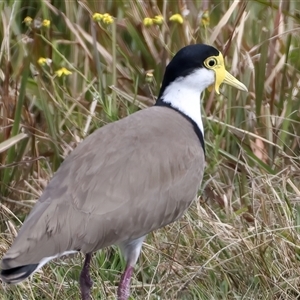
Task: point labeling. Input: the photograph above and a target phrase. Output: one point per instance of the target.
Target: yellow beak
(222, 76)
(230, 80)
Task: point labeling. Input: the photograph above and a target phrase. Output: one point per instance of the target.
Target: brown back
(123, 181)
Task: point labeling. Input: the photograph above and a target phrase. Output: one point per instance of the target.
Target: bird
(126, 179)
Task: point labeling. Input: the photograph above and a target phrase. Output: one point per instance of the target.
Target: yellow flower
(158, 20)
(107, 19)
(63, 71)
(97, 17)
(42, 61)
(148, 22)
(46, 23)
(149, 77)
(27, 21)
(176, 18)
(205, 19)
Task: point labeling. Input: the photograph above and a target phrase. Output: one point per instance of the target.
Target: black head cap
(185, 61)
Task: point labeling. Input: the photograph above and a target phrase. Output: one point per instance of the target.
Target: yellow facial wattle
(216, 63)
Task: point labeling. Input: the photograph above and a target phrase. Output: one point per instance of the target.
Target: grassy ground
(240, 240)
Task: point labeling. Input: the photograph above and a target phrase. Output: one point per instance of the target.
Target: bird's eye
(211, 62)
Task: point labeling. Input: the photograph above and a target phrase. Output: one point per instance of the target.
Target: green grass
(240, 240)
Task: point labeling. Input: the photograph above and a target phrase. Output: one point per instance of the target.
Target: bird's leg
(131, 251)
(85, 278)
(124, 285)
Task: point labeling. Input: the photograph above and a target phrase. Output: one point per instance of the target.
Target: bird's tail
(13, 270)
(15, 275)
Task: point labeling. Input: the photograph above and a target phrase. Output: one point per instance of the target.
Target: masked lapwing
(126, 179)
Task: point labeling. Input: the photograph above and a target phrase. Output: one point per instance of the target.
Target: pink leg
(124, 285)
(85, 278)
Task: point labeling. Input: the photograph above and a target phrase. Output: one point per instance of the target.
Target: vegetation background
(241, 239)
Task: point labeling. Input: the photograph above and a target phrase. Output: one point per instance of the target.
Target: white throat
(184, 94)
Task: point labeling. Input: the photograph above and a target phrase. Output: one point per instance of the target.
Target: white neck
(178, 96)
(184, 93)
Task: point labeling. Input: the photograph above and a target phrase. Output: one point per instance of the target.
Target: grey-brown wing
(123, 181)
